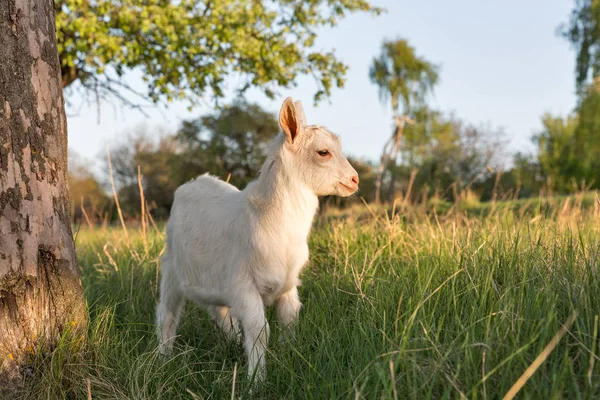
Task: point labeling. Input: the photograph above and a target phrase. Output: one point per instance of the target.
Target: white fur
(239, 251)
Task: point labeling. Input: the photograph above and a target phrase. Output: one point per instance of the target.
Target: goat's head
(315, 154)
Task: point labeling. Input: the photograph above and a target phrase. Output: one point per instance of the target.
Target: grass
(412, 306)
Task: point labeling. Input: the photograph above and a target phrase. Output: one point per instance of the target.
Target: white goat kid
(239, 251)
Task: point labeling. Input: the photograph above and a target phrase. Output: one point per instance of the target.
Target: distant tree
(231, 141)
(556, 156)
(405, 80)
(586, 146)
(583, 31)
(159, 161)
(526, 176)
(434, 132)
(446, 151)
(127, 150)
(188, 48)
(87, 193)
(480, 147)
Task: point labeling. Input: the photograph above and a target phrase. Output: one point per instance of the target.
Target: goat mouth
(349, 188)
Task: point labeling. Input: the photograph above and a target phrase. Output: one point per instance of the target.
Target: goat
(236, 252)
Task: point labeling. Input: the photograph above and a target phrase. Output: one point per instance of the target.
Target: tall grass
(411, 306)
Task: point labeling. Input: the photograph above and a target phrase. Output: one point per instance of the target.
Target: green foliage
(587, 139)
(524, 180)
(189, 48)
(232, 141)
(405, 79)
(556, 154)
(431, 133)
(158, 161)
(527, 176)
(569, 148)
(402, 76)
(574, 155)
(583, 31)
(446, 152)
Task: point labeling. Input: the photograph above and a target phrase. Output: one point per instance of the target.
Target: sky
(502, 64)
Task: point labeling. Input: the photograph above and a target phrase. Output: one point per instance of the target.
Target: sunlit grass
(412, 306)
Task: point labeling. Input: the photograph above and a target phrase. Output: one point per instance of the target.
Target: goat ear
(289, 121)
(300, 113)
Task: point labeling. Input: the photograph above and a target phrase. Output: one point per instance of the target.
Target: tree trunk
(40, 289)
(385, 155)
(391, 190)
(390, 150)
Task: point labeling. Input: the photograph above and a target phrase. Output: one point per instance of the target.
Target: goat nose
(354, 179)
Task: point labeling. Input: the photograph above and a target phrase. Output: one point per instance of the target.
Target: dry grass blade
(483, 374)
(194, 395)
(110, 259)
(593, 357)
(411, 181)
(369, 209)
(160, 234)
(393, 378)
(540, 358)
(143, 209)
(112, 182)
(233, 383)
(85, 214)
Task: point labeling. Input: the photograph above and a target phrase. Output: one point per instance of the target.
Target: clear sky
(501, 63)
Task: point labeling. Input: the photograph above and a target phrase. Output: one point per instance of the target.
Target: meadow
(403, 304)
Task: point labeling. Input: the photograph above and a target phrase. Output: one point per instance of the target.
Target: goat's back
(204, 223)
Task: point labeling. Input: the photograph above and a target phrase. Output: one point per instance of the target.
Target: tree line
(438, 156)
(441, 157)
(429, 154)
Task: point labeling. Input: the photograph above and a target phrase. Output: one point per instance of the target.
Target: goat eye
(323, 153)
